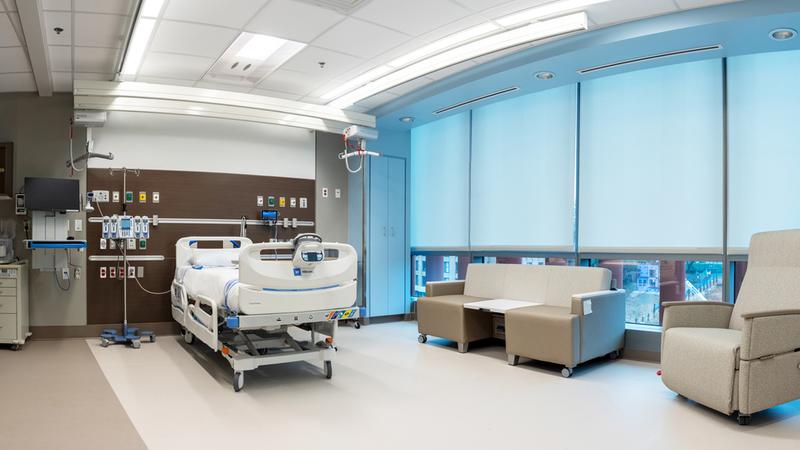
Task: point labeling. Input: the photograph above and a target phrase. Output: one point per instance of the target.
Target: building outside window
(435, 268)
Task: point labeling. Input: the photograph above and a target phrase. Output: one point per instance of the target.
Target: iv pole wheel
(238, 381)
(357, 325)
(136, 343)
(104, 342)
(328, 370)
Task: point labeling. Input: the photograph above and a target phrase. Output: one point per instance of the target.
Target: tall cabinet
(387, 240)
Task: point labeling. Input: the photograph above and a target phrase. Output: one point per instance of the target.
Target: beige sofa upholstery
(745, 357)
(560, 331)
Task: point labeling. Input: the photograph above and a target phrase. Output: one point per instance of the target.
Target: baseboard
(87, 331)
(642, 355)
(383, 319)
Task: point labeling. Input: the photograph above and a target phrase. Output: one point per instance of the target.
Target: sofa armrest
(585, 304)
(439, 288)
(770, 333)
(688, 314)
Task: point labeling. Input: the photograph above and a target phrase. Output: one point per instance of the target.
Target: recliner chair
(745, 357)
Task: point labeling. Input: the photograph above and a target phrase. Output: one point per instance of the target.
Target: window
(435, 268)
(651, 161)
(531, 261)
(648, 283)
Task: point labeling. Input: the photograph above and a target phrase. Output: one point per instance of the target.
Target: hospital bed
(242, 299)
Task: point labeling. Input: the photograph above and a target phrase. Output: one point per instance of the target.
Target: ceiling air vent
(476, 100)
(342, 6)
(625, 62)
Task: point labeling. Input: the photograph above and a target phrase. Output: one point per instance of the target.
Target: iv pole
(130, 335)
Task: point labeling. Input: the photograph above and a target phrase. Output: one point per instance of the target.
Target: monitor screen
(52, 194)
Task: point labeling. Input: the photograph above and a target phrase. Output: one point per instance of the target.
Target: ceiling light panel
(151, 8)
(137, 46)
(546, 10)
(500, 41)
(444, 43)
(252, 57)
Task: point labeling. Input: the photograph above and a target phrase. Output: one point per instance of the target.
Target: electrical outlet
(103, 244)
(142, 244)
(112, 244)
(324, 192)
(115, 196)
(112, 272)
(337, 193)
(128, 196)
(140, 272)
(282, 202)
(100, 196)
(292, 202)
(78, 225)
(142, 197)
(303, 202)
(156, 197)
(103, 272)
(65, 273)
(260, 200)
(120, 273)
(77, 273)
(132, 244)
(131, 272)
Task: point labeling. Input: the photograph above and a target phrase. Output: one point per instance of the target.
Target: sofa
(579, 319)
(742, 357)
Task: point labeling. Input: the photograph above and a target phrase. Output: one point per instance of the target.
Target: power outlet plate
(100, 196)
(115, 196)
(140, 272)
(156, 197)
(131, 272)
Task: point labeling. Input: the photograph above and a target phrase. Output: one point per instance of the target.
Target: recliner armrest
(596, 298)
(691, 314)
(439, 288)
(770, 333)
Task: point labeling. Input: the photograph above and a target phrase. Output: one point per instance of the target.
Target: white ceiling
(192, 34)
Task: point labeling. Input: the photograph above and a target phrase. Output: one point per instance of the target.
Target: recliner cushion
(564, 282)
(544, 333)
(445, 316)
(701, 364)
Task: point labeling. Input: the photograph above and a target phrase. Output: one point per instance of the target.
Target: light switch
(78, 225)
(337, 193)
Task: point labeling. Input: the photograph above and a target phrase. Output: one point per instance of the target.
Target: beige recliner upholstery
(559, 331)
(745, 357)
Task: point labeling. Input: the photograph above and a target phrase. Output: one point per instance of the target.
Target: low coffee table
(498, 308)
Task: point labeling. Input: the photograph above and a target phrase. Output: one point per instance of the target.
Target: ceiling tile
(94, 76)
(183, 67)
(100, 30)
(689, 4)
(228, 13)
(192, 39)
(410, 86)
(376, 100)
(8, 37)
(98, 60)
(58, 19)
(57, 5)
(480, 5)
(223, 86)
(293, 20)
(359, 38)
(14, 60)
(159, 80)
(276, 94)
(624, 10)
(124, 7)
(307, 61)
(62, 81)
(60, 58)
(17, 82)
(289, 81)
(413, 17)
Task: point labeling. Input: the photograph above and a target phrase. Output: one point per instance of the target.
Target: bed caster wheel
(238, 381)
(328, 369)
(15, 347)
(616, 354)
(743, 419)
(422, 339)
(104, 342)
(357, 325)
(152, 338)
(136, 343)
(566, 372)
(188, 337)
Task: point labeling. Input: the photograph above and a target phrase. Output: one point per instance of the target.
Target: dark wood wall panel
(197, 195)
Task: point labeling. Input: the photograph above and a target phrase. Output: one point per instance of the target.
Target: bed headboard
(186, 247)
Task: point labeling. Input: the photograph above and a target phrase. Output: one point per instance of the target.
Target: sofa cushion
(563, 282)
(527, 283)
(700, 364)
(485, 280)
(544, 333)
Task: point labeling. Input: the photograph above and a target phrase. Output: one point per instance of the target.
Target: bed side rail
(186, 247)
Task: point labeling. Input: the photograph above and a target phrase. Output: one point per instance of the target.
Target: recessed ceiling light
(259, 47)
(407, 119)
(547, 10)
(151, 8)
(251, 58)
(782, 34)
(544, 75)
(138, 44)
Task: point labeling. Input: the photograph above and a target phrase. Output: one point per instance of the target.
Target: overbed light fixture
(251, 57)
(546, 10)
(495, 42)
(142, 31)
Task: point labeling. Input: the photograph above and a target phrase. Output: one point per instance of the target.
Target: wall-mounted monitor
(52, 194)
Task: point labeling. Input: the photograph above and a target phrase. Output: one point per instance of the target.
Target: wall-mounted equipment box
(6, 170)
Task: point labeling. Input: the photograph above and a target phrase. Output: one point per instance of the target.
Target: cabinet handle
(391, 231)
(384, 231)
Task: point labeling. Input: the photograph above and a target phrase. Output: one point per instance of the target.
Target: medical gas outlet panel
(126, 227)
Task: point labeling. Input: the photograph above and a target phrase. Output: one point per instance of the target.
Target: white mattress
(220, 284)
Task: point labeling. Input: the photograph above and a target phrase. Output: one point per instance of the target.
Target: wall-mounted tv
(52, 194)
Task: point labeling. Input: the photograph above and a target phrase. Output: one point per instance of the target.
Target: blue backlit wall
(764, 146)
(440, 183)
(651, 160)
(523, 172)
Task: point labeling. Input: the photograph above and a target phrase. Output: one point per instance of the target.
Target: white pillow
(226, 257)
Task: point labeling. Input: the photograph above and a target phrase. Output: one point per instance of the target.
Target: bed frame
(248, 341)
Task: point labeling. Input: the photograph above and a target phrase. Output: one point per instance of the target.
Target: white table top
(499, 305)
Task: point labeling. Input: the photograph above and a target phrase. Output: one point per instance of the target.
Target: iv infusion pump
(126, 227)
